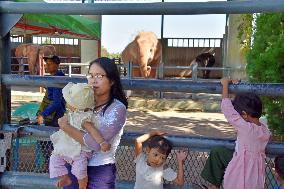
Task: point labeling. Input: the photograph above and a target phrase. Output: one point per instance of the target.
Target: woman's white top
(110, 124)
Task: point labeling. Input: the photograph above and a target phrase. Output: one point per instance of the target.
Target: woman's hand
(63, 122)
(105, 146)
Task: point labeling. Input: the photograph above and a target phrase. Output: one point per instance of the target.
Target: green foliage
(105, 53)
(266, 63)
(245, 32)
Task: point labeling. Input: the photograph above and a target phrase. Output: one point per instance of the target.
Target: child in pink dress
(246, 170)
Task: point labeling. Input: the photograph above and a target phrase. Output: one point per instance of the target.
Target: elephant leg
(210, 63)
(206, 74)
(32, 62)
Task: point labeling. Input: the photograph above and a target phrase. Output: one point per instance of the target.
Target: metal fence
(29, 155)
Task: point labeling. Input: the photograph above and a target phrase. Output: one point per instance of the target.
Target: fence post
(129, 75)
(194, 72)
(5, 68)
(162, 63)
(69, 70)
(194, 78)
(22, 66)
(41, 70)
(129, 70)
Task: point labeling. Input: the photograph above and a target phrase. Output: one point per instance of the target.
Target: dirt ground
(174, 122)
(180, 123)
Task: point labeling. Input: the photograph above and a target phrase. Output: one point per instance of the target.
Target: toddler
(151, 166)
(79, 102)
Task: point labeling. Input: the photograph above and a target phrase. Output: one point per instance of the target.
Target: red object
(44, 30)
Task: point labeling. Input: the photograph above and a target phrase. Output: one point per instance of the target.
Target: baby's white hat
(79, 95)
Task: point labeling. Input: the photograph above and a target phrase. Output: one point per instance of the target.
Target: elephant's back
(21, 50)
(47, 50)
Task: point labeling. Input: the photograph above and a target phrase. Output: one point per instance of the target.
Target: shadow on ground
(180, 123)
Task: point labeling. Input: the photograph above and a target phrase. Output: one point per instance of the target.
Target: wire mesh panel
(31, 155)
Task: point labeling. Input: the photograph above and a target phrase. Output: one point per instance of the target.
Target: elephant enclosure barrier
(26, 158)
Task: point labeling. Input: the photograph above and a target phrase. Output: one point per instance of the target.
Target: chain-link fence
(31, 155)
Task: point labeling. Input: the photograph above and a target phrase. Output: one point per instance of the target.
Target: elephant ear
(130, 53)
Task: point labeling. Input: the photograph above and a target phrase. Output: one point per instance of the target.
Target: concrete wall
(89, 48)
(234, 57)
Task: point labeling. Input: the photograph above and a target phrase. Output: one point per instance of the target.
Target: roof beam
(160, 8)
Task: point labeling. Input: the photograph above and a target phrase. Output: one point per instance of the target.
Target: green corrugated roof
(73, 23)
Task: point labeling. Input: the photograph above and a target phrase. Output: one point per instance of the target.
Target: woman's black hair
(112, 73)
(279, 165)
(163, 145)
(249, 103)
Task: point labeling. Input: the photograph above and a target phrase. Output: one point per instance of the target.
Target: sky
(118, 30)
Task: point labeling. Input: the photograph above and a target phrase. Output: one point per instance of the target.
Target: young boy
(150, 166)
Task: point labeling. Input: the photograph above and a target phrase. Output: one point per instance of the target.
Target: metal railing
(70, 65)
(22, 65)
(125, 70)
(265, 89)
(28, 159)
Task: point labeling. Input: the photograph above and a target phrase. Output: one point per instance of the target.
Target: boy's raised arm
(181, 156)
(139, 140)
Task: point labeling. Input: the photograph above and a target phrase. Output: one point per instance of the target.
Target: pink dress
(246, 170)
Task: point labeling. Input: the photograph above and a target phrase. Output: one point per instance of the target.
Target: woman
(110, 110)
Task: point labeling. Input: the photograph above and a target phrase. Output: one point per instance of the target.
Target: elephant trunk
(144, 68)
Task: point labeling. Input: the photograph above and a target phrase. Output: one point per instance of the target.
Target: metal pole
(159, 8)
(160, 69)
(69, 70)
(194, 72)
(5, 68)
(196, 143)
(265, 89)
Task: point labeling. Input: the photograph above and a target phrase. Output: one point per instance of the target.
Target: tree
(266, 63)
(105, 53)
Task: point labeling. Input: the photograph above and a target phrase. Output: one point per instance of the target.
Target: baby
(79, 102)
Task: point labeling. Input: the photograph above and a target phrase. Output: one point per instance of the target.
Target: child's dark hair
(163, 145)
(279, 165)
(249, 103)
